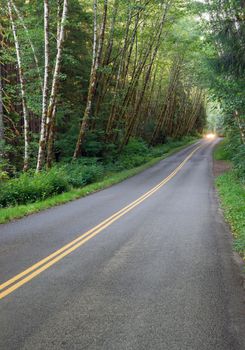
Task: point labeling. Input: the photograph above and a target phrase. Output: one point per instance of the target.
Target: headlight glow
(210, 136)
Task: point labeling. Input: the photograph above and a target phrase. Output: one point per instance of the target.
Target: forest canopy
(84, 78)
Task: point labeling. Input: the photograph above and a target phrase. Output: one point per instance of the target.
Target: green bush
(79, 174)
(29, 187)
(128, 162)
(136, 146)
(134, 154)
(158, 151)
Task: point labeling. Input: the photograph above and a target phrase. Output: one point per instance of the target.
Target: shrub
(134, 154)
(158, 151)
(79, 174)
(136, 146)
(127, 162)
(29, 188)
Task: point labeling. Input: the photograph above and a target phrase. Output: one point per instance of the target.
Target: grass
(220, 152)
(16, 212)
(232, 195)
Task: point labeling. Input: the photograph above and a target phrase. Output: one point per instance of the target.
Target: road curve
(159, 274)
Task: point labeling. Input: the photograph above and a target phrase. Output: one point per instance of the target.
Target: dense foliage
(127, 70)
(225, 61)
(28, 188)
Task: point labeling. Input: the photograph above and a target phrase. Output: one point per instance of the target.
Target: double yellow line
(27, 275)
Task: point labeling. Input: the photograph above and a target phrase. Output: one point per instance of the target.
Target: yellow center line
(42, 265)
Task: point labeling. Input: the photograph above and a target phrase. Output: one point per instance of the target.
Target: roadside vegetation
(231, 189)
(226, 28)
(30, 192)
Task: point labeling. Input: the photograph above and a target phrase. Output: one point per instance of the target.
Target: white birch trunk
(50, 138)
(22, 87)
(42, 141)
(53, 96)
(57, 64)
(50, 114)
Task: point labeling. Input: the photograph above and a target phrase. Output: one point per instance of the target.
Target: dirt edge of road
(220, 167)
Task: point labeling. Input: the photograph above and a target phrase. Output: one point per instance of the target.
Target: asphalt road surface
(156, 273)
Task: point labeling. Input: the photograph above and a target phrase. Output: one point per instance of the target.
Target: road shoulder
(231, 199)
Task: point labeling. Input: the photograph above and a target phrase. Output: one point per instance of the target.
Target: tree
(119, 64)
(48, 113)
(97, 53)
(22, 87)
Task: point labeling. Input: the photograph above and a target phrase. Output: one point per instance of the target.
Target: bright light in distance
(210, 136)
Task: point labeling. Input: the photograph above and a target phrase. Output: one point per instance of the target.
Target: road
(145, 264)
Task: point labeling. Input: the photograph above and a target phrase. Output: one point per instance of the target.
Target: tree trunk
(93, 78)
(103, 81)
(92, 81)
(51, 140)
(43, 136)
(111, 119)
(22, 87)
(125, 72)
(53, 95)
(111, 37)
(144, 110)
(51, 133)
(148, 73)
(161, 120)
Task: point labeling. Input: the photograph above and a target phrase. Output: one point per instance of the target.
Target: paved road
(161, 276)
